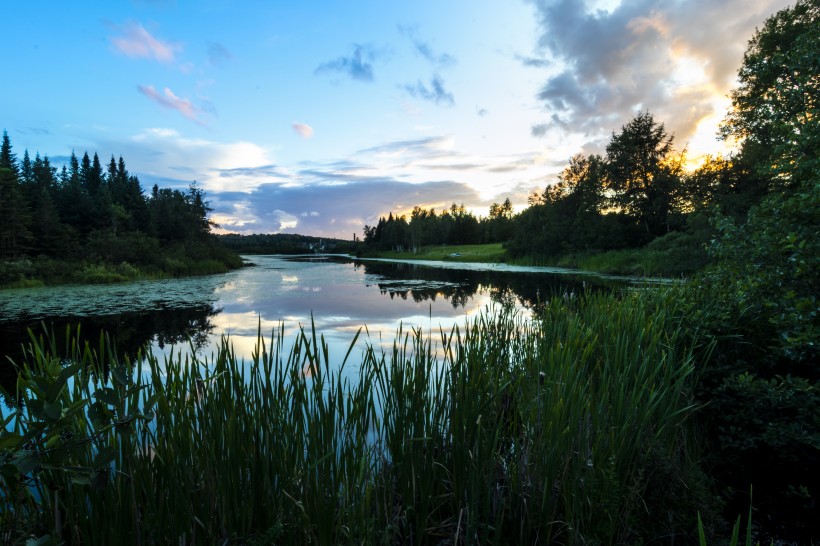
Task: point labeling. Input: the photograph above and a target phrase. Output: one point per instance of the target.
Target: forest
(86, 223)
(639, 195)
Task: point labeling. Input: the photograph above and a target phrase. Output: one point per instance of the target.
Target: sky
(317, 117)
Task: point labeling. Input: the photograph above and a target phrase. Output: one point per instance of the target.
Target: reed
(503, 430)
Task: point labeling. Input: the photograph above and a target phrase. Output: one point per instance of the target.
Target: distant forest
(99, 221)
(637, 194)
(284, 243)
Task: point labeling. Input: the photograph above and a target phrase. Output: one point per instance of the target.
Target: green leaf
(99, 414)
(119, 375)
(10, 440)
(53, 391)
(81, 479)
(100, 480)
(53, 411)
(105, 455)
(107, 396)
(46, 540)
(152, 400)
(25, 461)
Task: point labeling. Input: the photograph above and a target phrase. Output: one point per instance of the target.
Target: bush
(760, 387)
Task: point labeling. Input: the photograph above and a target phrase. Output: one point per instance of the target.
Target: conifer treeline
(88, 213)
(454, 226)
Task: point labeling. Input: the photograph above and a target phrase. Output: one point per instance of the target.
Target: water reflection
(129, 332)
(339, 295)
(525, 287)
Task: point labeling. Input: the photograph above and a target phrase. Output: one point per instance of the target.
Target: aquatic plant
(570, 428)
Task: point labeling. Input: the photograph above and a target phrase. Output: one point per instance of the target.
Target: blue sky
(317, 117)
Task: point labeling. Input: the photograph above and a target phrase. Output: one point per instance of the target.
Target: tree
(73, 201)
(776, 108)
(422, 227)
(499, 224)
(643, 173)
(583, 182)
(759, 300)
(14, 233)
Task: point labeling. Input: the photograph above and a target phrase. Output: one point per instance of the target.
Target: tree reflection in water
(423, 282)
(129, 332)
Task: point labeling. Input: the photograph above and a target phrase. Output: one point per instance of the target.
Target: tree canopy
(85, 214)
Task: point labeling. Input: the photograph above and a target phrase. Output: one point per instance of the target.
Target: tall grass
(506, 430)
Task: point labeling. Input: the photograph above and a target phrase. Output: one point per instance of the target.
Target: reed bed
(505, 430)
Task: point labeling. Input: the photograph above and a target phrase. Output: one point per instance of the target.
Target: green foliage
(454, 226)
(643, 173)
(64, 434)
(81, 225)
(487, 253)
(770, 268)
(776, 110)
(284, 243)
(571, 428)
(759, 301)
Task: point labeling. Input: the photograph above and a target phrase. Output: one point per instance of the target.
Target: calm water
(338, 294)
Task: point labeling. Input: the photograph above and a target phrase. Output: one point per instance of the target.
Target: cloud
(338, 198)
(439, 59)
(165, 157)
(325, 207)
(435, 93)
(135, 41)
(169, 100)
(539, 129)
(303, 130)
(427, 147)
(534, 62)
(40, 131)
(252, 193)
(675, 59)
(358, 66)
(218, 54)
(424, 49)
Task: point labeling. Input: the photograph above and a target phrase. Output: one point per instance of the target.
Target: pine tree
(14, 233)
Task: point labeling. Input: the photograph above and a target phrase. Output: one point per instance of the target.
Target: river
(339, 295)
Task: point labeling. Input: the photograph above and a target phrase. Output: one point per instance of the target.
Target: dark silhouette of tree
(776, 108)
(92, 216)
(14, 217)
(643, 173)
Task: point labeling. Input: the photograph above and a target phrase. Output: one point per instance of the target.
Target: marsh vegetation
(568, 428)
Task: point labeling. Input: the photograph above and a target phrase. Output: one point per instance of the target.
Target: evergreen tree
(14, 217)
(74, 204)
(643, 174)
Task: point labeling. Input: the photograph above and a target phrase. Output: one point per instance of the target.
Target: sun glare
(705, 139)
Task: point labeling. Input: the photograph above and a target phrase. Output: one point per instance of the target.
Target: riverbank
(36, 271)
(487, 253)
(653, 260)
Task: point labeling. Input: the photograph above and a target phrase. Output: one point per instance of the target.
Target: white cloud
(674, 59)
(303, 130)
(135, 41)
(163, 154)
(168, 99)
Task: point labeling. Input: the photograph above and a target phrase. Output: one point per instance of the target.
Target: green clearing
(491, 253)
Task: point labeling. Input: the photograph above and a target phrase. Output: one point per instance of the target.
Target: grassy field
(492, 253)
(653, 260)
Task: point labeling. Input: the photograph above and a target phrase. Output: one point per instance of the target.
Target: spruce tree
(14, 218)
